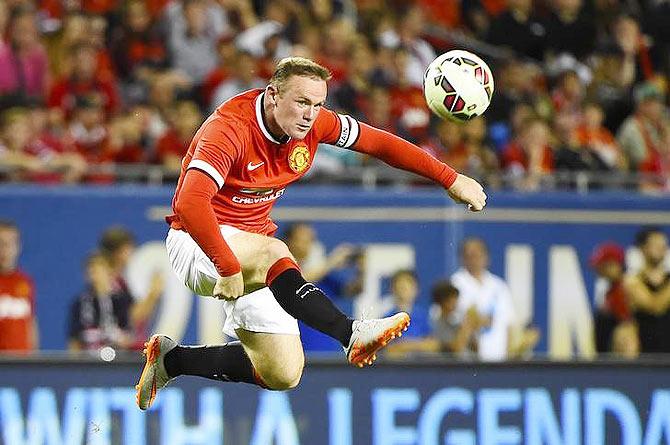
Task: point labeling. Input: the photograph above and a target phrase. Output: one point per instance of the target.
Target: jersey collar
(261, 121)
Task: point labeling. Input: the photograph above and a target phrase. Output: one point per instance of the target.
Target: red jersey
(17, 311)
(252, 168)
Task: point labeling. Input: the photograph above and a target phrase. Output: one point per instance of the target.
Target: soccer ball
(458, 85)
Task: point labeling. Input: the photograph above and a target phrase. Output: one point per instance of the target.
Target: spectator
(377, 110)
(612, 308)
(194, 28)
(23, 60)
(97, 38)
(490, 296)
(266, 39)
(338, 274)
(350, 95)
(473, 157)
(643, 135)
(136, 44)
(337, 40)
(83, 82)
(165, 88)
(569, 93)
(592, 134)
(117, 246)
(87, 129)
(172, 146)
(100, 314)
(529, 157)
(519, 30)
(125, 144)
(73, 31)
(311, 255)
(408, 37)
(14, 139)
(453, 335)
(612, 84)
(224, 70)
(514, 88)
(18, 323)
(570, 155)
(242, 79)
(448, 141)
(636, 58)
(408, 104)
(648, 292)
(570, 29)
(403, 297)
(62, 164)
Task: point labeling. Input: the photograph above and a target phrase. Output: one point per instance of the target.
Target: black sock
(228, 363)
(308, 304)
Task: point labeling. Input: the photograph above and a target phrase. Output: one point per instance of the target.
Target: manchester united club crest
(298, 160)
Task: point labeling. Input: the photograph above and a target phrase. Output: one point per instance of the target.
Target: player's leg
(277, 358)
(165, 360)
(267, 261)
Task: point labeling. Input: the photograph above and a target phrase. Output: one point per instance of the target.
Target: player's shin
(228, 363)
(306, 302)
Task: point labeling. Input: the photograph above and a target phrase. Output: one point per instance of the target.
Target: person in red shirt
(17, 296)
(608, 261)
(221, 239)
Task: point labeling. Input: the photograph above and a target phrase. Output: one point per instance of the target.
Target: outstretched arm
(399, 153)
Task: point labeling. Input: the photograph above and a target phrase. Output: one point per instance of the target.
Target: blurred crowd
(468, 314)
(471, 314)
(581, 85)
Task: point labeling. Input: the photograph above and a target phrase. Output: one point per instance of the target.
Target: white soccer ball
(458, 85)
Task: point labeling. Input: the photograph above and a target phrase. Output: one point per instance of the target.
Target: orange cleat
(369, 336)
(154, 376)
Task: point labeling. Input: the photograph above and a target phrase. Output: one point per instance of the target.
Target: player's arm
(404, 155)
(205, 175)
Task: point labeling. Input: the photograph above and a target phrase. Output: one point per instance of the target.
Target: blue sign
(526, 404)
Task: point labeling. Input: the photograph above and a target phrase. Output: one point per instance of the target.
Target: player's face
(9, 249)
(297, 104)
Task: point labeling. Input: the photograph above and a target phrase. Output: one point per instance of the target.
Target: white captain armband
(349, 131)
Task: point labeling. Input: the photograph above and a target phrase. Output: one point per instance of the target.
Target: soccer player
(221, 240)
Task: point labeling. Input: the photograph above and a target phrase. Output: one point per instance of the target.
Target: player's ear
(272, 94)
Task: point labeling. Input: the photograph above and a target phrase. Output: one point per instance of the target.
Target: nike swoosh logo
(251, 166)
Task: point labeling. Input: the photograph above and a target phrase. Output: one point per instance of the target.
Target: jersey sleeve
(216, 151)
(337, 129)
(346, 132)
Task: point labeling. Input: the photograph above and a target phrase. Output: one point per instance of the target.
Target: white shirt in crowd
(492, 298)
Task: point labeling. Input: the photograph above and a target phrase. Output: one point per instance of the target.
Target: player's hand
(229, 288)
(466, 190)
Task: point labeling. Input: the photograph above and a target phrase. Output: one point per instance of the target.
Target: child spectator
(610, 299)
(100, 314)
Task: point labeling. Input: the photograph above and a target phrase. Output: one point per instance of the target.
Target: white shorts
(255, 312)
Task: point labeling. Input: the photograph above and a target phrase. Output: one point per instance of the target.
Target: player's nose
(309, 114)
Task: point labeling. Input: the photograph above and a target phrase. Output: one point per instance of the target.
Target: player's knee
(276, 250)
(285, 380)
(288, 377)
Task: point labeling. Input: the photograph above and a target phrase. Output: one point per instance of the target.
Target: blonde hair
(297, 66)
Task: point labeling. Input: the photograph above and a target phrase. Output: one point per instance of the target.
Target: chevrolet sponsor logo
(260, 198)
